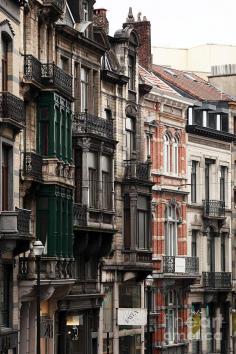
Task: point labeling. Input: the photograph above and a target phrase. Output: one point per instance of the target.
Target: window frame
(166, 153)
(194, 181)
(145, 212)
(171, 230)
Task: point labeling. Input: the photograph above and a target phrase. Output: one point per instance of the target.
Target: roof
(152, 79)
(191, 84)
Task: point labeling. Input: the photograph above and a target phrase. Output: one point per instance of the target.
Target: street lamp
(38, 249)
(149, 283)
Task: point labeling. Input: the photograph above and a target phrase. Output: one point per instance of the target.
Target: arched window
(171, 224)
(166, 153)
(175, 155)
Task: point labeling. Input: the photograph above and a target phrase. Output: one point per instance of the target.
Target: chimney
(143, 29)
(100, 19)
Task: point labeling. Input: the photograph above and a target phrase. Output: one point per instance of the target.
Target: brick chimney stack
(143, 28)
(100, 19)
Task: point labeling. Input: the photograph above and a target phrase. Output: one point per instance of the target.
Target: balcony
(15, 230)
(50, 269)
(187, 266)
(86, 123)
(32, 70)
(214, 209)
(58, 5)
(33, 166)
(12, 110)
(47, 76)
(138, 260)
(135, 169)
(217, 280)
(94, 218)
(56, 78)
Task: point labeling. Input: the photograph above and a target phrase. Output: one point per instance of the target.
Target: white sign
(179, 265)
(131, 317)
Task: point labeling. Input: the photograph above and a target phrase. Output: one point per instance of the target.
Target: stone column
(115, 326)
(204, 330)
(217, 330)
(24, 328)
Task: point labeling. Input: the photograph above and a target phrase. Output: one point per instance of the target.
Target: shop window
(130, 344)
(129, 296)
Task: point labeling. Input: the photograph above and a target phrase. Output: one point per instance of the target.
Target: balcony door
(211, 251)
(171, 231)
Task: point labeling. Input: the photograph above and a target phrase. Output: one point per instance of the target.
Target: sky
(179, 23)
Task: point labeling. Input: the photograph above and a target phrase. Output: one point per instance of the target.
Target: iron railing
(214, 208)
(56, 77)
(91, 124)
(80, 215)
(217, 280)
(33, 70)
(190, 266)
(12, 107)
(135, 169)
(59, 4)
(33, 165)
(138, 257)
(23, 220)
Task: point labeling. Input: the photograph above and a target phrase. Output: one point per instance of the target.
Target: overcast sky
(179, 23)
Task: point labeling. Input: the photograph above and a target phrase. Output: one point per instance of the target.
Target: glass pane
(129, 296)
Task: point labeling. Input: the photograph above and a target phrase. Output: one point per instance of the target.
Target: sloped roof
(191, 84)
(153, 80)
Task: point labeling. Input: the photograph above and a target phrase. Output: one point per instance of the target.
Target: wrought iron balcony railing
(214, 208)
(33, 70)
(33, 165)
(50, 268)
(57, 4)
(186, 265)
(12, 107)
(57, 78)
(135, 257)
(91, 124)
(15, 222)
(217, 280)
(137, 170)
(80, 215)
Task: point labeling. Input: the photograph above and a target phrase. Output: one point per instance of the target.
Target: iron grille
(219, 280)
(52, 75)
(33, 165)
(91, 124)
(32, 69)
(23, 220)
(12, 107)
(191, 264)
(214, 208)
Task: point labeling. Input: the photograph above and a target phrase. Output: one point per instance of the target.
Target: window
(223, 172)
(198, 117)
(194, 243)
(5, 176)
(84, 89)
(92, 188)
(65, 64)
(166, 154)
(130, 137)
(211, 250)
(171, 316)
(143, 226)
(106, 183)
(127, 220)
(211, 120)
(129, 296)
(6, 285)
(207, 181)
(224, 123)
(5, 64)
(130, 344)
(194, 182)
(148, 145)
(171, 230)
(85, 11)
(175, 156)
(223, 250)
(131, 72)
